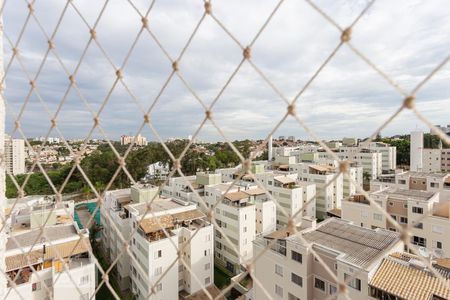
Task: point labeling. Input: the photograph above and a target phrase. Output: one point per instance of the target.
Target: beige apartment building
(421, 210)
(289, 270)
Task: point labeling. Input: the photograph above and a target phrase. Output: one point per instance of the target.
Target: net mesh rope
(13, 43)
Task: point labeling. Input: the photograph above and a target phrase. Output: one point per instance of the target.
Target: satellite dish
(424, 252)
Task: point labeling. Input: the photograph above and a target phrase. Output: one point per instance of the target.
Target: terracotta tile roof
(66, 249)
(236, 196)
(156, 223)
(397, 278)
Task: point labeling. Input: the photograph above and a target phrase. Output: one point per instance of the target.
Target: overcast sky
(405, 39)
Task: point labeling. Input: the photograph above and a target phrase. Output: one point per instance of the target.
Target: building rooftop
(236, 196)
(426, 174)
(284, 179)
(54, 251)
(399, 276)
(255, 192)
(407, 194)
(50, 232)
(158, 205)
(359, 246)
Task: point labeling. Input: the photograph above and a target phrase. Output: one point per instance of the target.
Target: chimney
(269, 150)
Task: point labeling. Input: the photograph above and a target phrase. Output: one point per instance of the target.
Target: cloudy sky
(405, 39)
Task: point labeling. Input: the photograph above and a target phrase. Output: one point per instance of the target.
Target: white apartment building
(14, 155)
(156, 236)
(291, 194)
(416, 148)
(236, 216)
(139, 140)
(421, 210)
(289, 270)
(51, 280)
(329, 190)
(389, 154)
(297, 198)
(370, 160)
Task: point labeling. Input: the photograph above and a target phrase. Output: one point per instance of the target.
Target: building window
(207, 266)
(418, 225)
(438, 245)
(158, 254)
(84, 280)
(207, 280)
(332, 290)
(278, 290)
(207, 252)
(36, 286)
(354, 283)
(297, 256)
(417, 210)
(319, 284)
(159, 287)
(296, 279)
(419, 241)
(404, 220)
(279, 270)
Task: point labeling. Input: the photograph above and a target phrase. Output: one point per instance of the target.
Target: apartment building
(427, 217)
(139, 140)
(425, 159)
(296, 198)
(404, 276)
(329, 187)
(389, 154)
(14, 155)
(445, 160)
(423, 181)
(33, 258)
(236, 216)
(289, 269)
(370, 160)
(157, 233)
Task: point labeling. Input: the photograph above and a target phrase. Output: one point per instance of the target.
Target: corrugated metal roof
(360, 246)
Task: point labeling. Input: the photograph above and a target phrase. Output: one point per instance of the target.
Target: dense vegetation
(403, 145)
(101, 165)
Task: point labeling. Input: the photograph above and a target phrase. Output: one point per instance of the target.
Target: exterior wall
(431, 160)
(64, 287)
(416, 148)
(356, 174)
(445, 160)
(265, 216)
